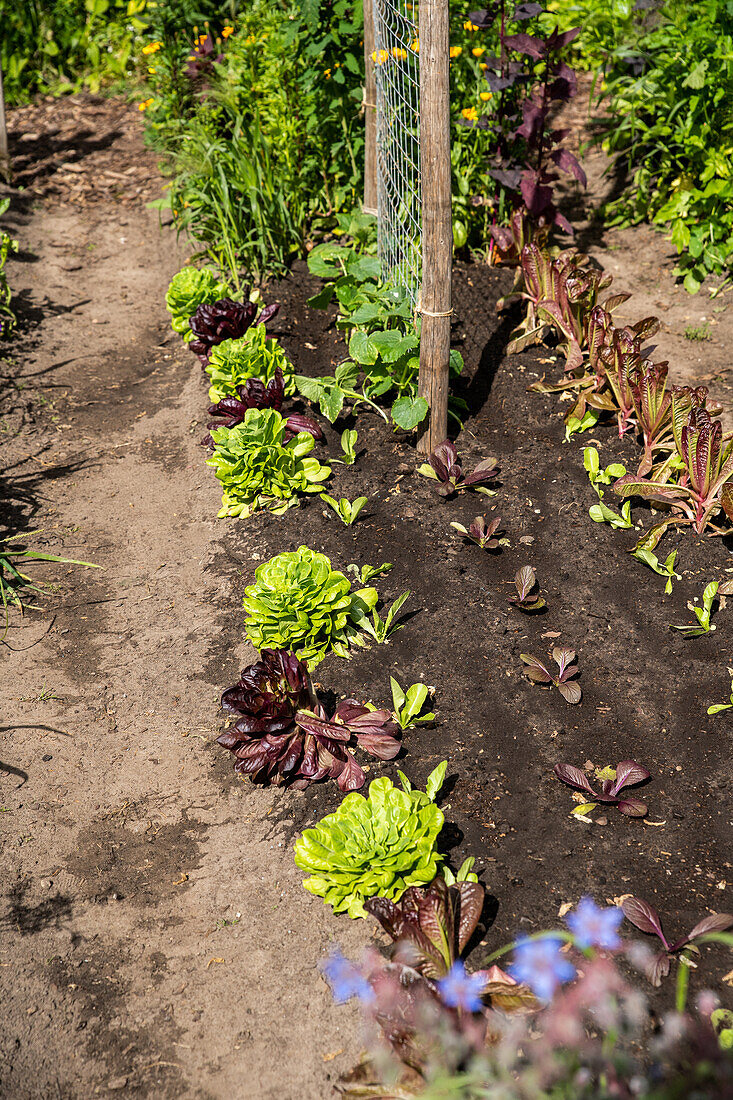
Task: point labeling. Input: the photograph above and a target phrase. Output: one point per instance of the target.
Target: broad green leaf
(408, 412)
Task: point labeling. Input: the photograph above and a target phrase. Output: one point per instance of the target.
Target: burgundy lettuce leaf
(254, 394)
(628, 773)
(644, 917)
(214, 322)
(446, 464)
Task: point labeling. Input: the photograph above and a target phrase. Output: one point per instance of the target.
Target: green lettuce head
(258, 469)
(253, 355)
(299, 602)
(189, 289)
(375, 846)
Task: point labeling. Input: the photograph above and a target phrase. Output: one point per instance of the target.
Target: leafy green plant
(408, 705)
(347, 511)
(368, 572)
(716, 708)
(375, 846)
(382, 629)
(482, 533)
(348, 447)
(330, 392)
(664, 569)
(601, 513)
(13, 582)
(258, 469)
(8, 245)
(704, 613)
(254, 355)
(187, 290)
(299, 602)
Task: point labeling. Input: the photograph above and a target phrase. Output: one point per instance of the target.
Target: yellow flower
(399, 53)
(478, 50)
(483, 66)
(327, 72)
(380, 56)
(470, 114)
(201, 39)
(469, 26)
(415, 45)
(151, 70)
(250, 40)
(486, 96)
(226, 31)
(455, 51)
(152, 47)
(144, 105)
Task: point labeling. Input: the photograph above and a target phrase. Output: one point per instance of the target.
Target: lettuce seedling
(215, 322)
(716, 708)
(644, 917)
(382, 629)
(299, 602)
(540, 674)
(408, 705)
(285, 736)
(443, 466)
(482, 533)
(377, 846)
(259, 469)
(430, 926)
(653, 408)
(664, 569)
(601, 513)
(188, 289)
(702, 614)
(525, 579)
(369, 572)
(627, 773)
(346, 510)
(348, 448)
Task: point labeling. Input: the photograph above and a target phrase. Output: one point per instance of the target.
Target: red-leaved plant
(647, 919)
(628, 774)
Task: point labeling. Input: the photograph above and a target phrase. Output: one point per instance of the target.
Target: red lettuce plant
(285, 735)
(628, 774)
(481, 532)
(565, 660)
(646, 919)
(652, 406)
(214, 322)
(444, 466)
(256, 394)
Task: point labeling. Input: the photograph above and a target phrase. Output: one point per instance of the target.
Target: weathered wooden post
(437, 233)
(370, 113)
(5, 172)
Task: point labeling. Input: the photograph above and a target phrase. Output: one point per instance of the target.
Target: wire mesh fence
(396, 60)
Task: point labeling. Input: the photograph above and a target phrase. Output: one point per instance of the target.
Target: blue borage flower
(540, 965)
(345, 979)
(461, 990)
(595, 927)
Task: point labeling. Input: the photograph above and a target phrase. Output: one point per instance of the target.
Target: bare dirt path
(153, 937)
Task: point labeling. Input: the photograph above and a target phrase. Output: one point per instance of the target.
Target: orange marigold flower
(470, 114)
(226, 31)
(455, 51)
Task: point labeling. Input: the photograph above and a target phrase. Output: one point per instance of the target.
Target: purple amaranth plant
(214, 322)
(444, 466)
(285, 736)
(481, 532)
(644, 917)
(565, 660)
(256, 394)
(627, 773)
(525, 580)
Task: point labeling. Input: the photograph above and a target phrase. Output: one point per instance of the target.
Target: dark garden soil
(154, 937)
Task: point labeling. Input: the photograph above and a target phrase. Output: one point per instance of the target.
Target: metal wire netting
(398, 142)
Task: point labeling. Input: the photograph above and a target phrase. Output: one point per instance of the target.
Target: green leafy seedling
(348, 447)
(382, 629)
(575, 426)
(464, 873)
(722, 1021)
(702, 614)
(664, 569)
(367, 573)
(715, 708)
(408, 705)
(13, 582)
(601, 513)
(346, 510)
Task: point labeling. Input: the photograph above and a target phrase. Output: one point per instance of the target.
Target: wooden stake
(370, 113)
(5, 170)
(437, 233)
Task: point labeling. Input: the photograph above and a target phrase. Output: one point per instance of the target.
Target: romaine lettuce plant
(444, 466)
(299, 602)
(661, 568)
(233, 362)
(481, 532)
(188, 289)
(346, 510)
(644, 917)
(601, 513)
(703, 614)
(409, 705)
(525, 581)
(254, 394)
(653, 408)
(381, 629)
(565, 660)
(430, 926)
(259, 469)
(627, 773)
(215, 322)
(375, 846)
(284, 735)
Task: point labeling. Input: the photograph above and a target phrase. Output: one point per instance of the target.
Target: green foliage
(409, 705)
(378, 845)
(190, 288)
(702, 614)
(664, 569)
(382, 629)
(14, 584)
(601, 513)
(299, 602)
(254, 355)
(257, 469)
(347, 511)
(348, 447)
(672, 124)
(716, 708)
(7, 246)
